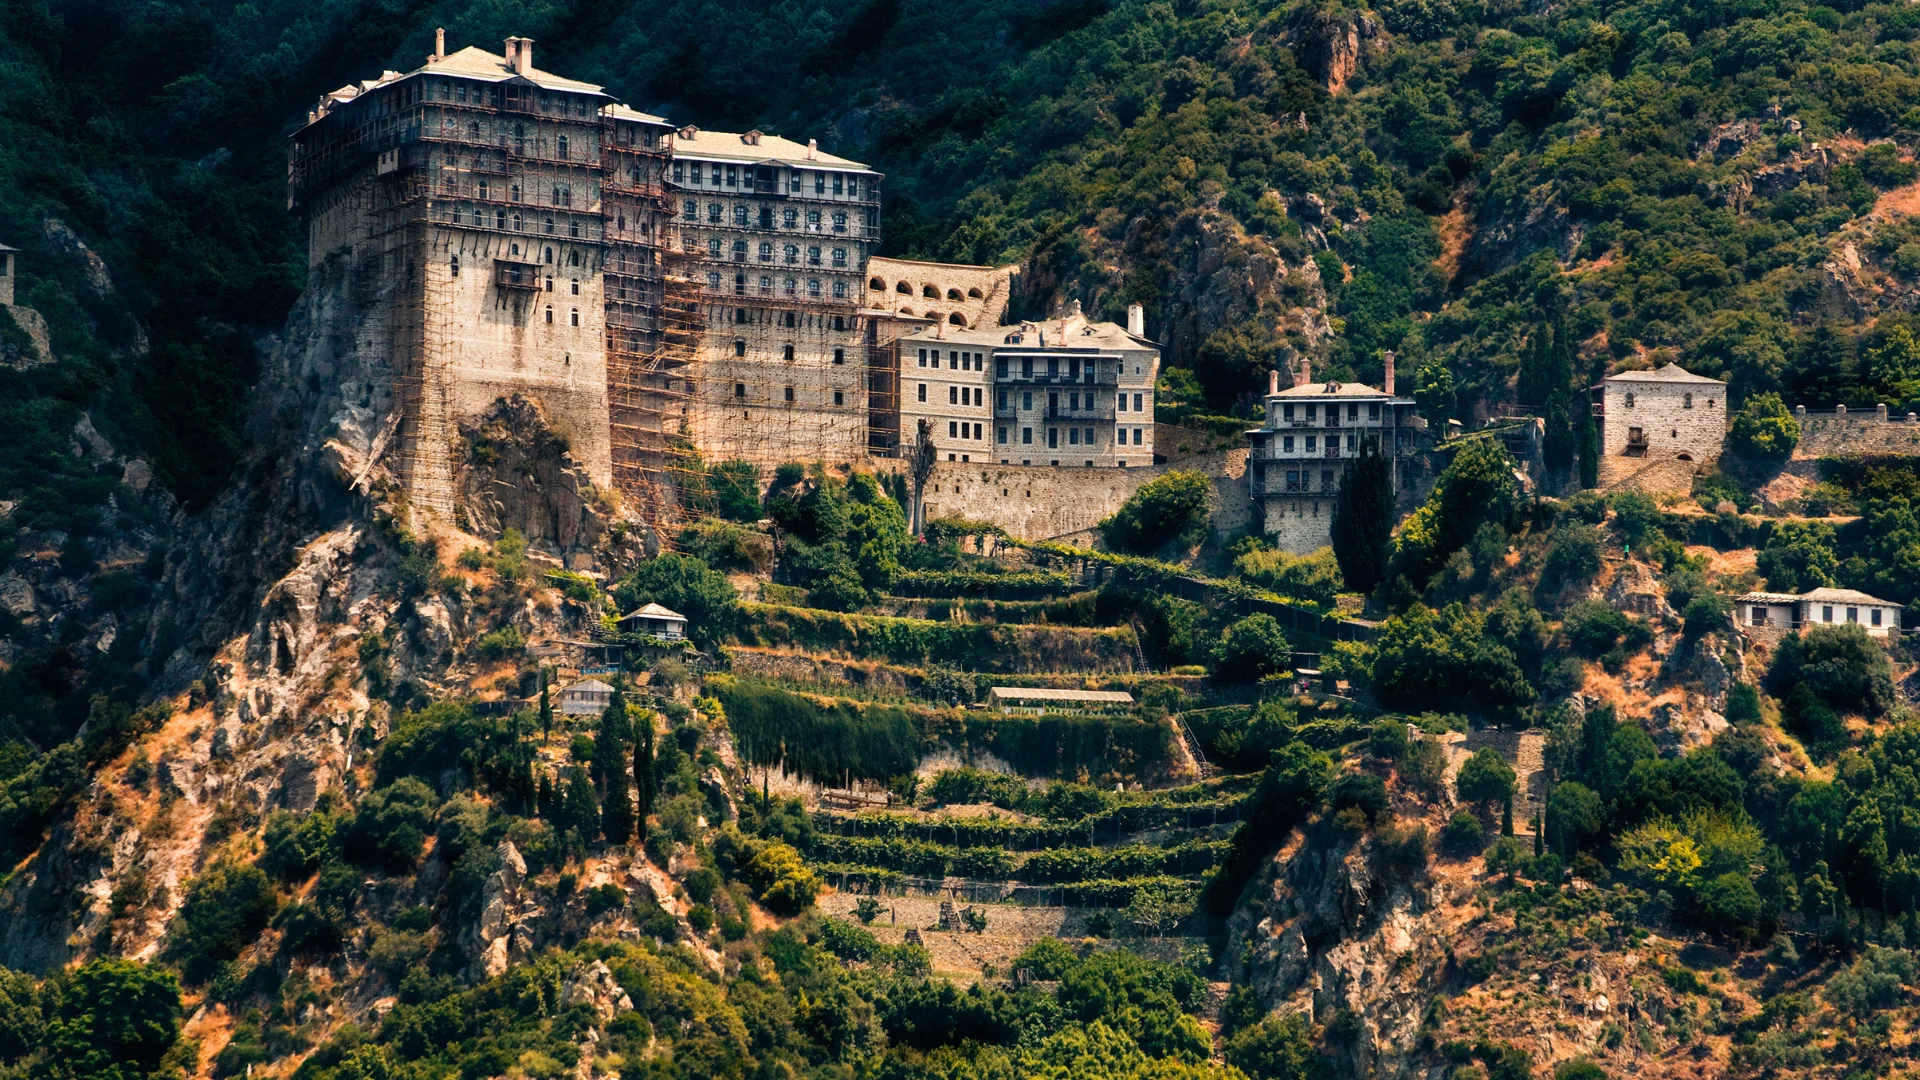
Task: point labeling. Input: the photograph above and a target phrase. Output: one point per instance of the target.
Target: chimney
(1273, 381)
(1386, 381)
(1136, 320)
(1304, 374)
(439, 44)
(520, 55)
(813, 147)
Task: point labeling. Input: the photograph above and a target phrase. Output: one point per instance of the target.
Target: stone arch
(904, 289)
(953, 294)
(877, 285)
(975, 293)
(1686, 457)
(929, 292)
(957, 319)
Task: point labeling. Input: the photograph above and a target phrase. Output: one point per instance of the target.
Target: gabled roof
(1671, 373)
(1843, 596)
(589, 686)
(1043, 693)
(621, 112)
(1315, 391)
(653, 611)
(753, 146)
(477, 63)
(1766, 598)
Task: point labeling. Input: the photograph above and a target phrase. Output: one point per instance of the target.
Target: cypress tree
(610, 742)
(616, 810)
(1506, 818)
(546, 709)
(1362, 524)
(643, 773)
(579, 810)
(1559, 442)
(1539, 835)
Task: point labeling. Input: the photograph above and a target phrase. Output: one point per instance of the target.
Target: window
(1312, 411)
(953, 430)
(713, 248)
(1286, 444)
(713, 279)
(1136, 403)
(1686, 402)
(1310, 444)
(518, 225)
(793, 182)
(1353, 411)
(789, 219)
(766, 251)
(813, 286)
(514, 191)
(733, 180)
(1326, 480)
(1000, 368)
(679, 172)
(766, 217)
(1123, 403)
(574, 318)
(740, 215)
(1826, 614)
(789, 393)
(840, 290)
(1874, 616)
(696, 172)
(1629, 401)
(839, 356)
(813, 221)
(1026, 436)
(1136, 438)
(819, 188)
(739, 389)
(1053, 438)
(690, 210)
(1120, 436)
(838, 181)
(839, 256)
(786, 351)
(792, 253)
(923, 391)
(1853, 614)
(573, 227)
(454, 266)
(739, 251)
(1073, 436)
(1088, 436)
(840, 221)
(1373, 411)
(837, 400)
(789, 286)
(576, 286)
(714, 211)
(813, 256)
(953, 395)
(739, 347)
(766, 284)
(573, 258)
(853, 186)
(739, 283)
(1002, 439)
(923, 358)
(549, 315)
(562, 195)
(1026, 399)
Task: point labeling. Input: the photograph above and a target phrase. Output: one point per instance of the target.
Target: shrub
(1465, 835)
(226, 908)
(1485, 777)
(1166, 510)
(1388, 739)
(1839, 666)
(1798, 556)
(1573, 558)
(1764, 428)
(1252, 649)
(1363, 791)
(1314, 578)
(1705, 614)
(296, 844)
(501, 643)
(847, 941)
(605, 897)
(390, 828)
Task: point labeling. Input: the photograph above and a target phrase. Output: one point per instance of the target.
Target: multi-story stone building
(777, 236)
(1061, 392)
(1667, 412)
(1312, 433)
(477, 203)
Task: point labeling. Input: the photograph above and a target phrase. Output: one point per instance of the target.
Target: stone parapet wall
(1827, 433)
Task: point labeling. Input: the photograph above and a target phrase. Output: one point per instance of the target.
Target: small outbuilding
(1787, 611)
(1038, 699)
(656, 621)
(589, 697)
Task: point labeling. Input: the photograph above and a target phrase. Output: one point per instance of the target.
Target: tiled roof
(1042, 693)
(733, 146)
(1671, 373)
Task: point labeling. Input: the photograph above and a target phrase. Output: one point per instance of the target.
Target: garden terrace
(974, 646)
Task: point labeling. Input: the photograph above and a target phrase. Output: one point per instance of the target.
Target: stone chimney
(439, 45)
(1386, 378)
(813, 147)
(1273, 381)
(1303, 374)
(520, 55)
(1136, 320)
(1880, 412)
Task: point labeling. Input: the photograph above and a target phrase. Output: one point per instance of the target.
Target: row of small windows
(573, 318)
(740, 394)
(483, 187)
(742, 216)
(1076, 436)
(514, 222)
(715, 250)
(1313, 443)
(554, 104)
(786, 352)
(746, 176)
(788, 286)
(562, 145)
(957, 359)
(1333, 411)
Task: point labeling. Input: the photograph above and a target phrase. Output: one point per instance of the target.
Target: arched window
(957, 319)
(739, 347)
(1629, 401)
(953, 294)
(1686, 401)
(975, 292)
(840, 290)
(573, 258)
(903, 289)
(813, 286)
(930, 292)
(788, 286)
(877, 285)
(518, 224)
(548, 226)
(549, 256)
(561, 143)
(792, 253)
(575, 317)
(454, 265)
(549, 315)
(786, 351)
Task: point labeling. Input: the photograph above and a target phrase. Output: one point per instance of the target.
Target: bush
(390, 828)
(1388, 739)
(1252, 649)
(1277, 1048)
(688, 586)
(1363, 791)
(1167, 510)
(1485, 778)
(1764, 428)
(1573, 558)
(1313, 579)
(225, 909)
(296, 844)
(1465, 835)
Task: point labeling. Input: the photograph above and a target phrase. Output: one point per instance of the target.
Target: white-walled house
(1835, 607)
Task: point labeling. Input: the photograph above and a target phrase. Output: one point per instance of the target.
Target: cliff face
(288, 617)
